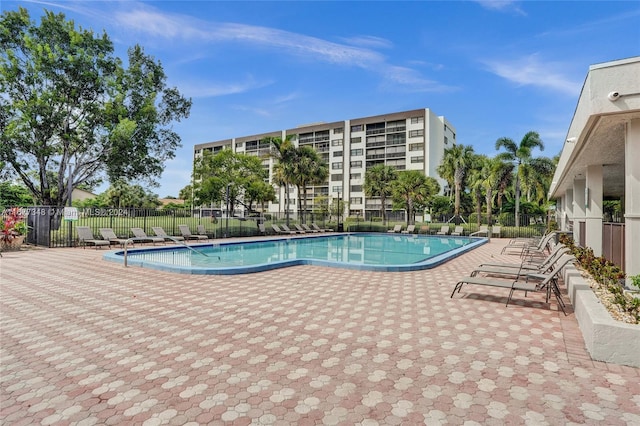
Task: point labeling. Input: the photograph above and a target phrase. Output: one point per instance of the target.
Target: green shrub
(606, 273)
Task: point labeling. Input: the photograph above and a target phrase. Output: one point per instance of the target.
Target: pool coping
(117, 256)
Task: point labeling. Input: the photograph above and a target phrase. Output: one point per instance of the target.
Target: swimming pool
(364, 251)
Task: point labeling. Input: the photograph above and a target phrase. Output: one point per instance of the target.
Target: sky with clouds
(493, 68)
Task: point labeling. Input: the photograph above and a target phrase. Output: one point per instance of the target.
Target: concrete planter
(606, 339)
(14, 244)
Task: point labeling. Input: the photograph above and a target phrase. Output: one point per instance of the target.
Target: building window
(239, 145)
(337, 153)
(356, 188)
(336, 166)
(356, 128)
(336, 188)
(396, 139)
(356, 140)
(446, 140)
(356, 164)
(355, 175)
(338, 130)
(416, 120)
(416, 133)
(419, 159)
(358, 151)
(336, 178)
(416, 147)
(355, 200)
(336, 142)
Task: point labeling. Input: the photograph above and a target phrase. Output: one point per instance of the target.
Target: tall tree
(519, 154)
(123, 195)
(308, 169)
(258, 191)
(412, 190)
(454, 166)
(377, 183)
(226, 172)
(67, 100)
(537, 176)
(284, 152)
(476, 179)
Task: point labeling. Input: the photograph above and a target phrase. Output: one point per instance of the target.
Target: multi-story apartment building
(409, 140)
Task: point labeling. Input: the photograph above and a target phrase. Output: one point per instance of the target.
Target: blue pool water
(382, 252)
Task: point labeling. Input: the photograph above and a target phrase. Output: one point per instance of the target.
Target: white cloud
(370, 41)
(204, 89)
(145, 19)
(531, 71)
(413, 80)
(501, 5)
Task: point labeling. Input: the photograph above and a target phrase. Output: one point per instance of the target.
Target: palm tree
(454, 166)
(308, 169)
(504, 178)
(284, 152)
(413, 190)
(519, 155)
(476, 182)
(537, 178)
(377, 183)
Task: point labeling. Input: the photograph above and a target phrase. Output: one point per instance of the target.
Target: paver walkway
(85, 342)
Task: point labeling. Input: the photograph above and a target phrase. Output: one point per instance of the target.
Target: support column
(632, 198)
(578, 209)
(593, 212)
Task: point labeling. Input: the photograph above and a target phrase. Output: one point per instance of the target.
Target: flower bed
(607, 282)
(13, 231)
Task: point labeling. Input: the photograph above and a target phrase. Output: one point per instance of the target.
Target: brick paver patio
(86, 342)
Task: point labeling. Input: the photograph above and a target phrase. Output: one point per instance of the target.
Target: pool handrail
(134, 239)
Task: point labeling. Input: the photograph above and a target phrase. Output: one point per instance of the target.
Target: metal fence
(47, 226)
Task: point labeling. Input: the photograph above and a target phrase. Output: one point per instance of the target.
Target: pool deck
(84, 341)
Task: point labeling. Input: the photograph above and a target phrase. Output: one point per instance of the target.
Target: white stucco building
(408, 140)
(601, 160)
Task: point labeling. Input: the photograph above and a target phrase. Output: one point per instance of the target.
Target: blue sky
(492, 68)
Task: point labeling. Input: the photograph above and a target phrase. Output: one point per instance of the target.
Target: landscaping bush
(606, 273)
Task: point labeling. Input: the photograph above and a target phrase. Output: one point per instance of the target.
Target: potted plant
(13, 231)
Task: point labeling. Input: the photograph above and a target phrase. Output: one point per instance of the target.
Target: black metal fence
(48, 226)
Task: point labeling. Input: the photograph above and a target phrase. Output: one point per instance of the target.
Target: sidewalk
(83, 341)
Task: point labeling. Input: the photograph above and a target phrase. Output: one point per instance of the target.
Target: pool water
(355, 251)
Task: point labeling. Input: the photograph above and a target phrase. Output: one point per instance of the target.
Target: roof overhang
(610, 98)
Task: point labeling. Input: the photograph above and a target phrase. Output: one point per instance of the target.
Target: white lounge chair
(85, 236)
(160, 232)
(277, 230)
(483, 231)
(444, 230)
(142, 236)
(459, 230)
(109, 235)
(546, 281)
(317, 228)
(396, 229)
(186, 233)
(306, 228)
(202, 231)
(410, 229)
